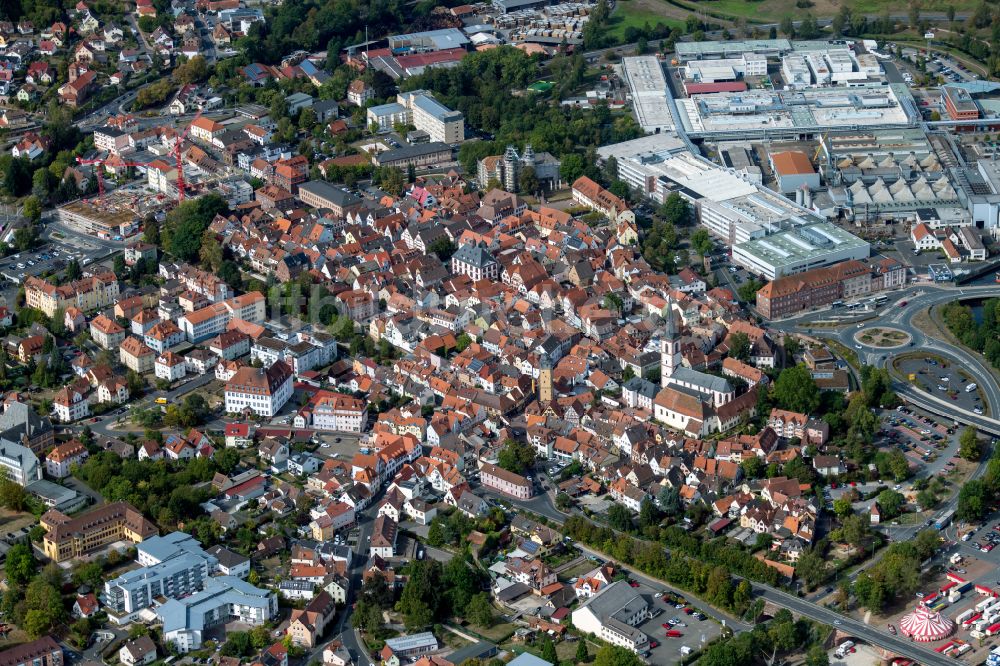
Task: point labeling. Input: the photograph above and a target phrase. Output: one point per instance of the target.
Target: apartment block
(89, 293)
(224, 599)
(420, 109)
(212, 320)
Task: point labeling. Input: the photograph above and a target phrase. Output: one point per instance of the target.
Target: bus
(853, 306)
(945, 520)
(880, 299)
(836, 304)
(161, 401)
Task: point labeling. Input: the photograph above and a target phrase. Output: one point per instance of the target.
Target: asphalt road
(918, 297)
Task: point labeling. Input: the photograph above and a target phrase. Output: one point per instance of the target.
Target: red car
(654, 644)
(665, 625)
(673, 633)
(632, 583)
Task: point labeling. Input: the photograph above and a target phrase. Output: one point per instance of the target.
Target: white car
(977, 410)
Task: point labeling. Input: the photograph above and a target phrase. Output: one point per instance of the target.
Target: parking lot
(944, 380)
(49, 258)
(678, 617)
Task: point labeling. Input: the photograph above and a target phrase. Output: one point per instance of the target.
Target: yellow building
(68, 538)
(90, 293)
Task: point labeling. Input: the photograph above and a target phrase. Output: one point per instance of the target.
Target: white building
(18, 463)
(224, 599)
(420, 109)
(263, 392)
(170, 366)
(614, 615)
(333, 411)
(213, 319)
(69, 405)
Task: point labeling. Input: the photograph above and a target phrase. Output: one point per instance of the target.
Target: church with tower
(696, 403)
(713, 389)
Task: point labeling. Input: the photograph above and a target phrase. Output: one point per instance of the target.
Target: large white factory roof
(644, 75)
(819, 108)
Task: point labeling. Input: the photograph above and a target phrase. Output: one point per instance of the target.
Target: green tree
(620, 518)
(32, 209)
(549, 650)
(891, 503)
(701, 241)
(480, 610)
(442, 247)
(20, 565)
(739, 346)
(581, 651)
(969, 445)
(421, 596)
(210, 252)
(817, 656)
(615, 655)
(25, 237)
(796, 390)
(528, 181)
(12, 495)
(185, 225)
(811, 568)
(972, 501)
(516, 456)
(193, 70)
(748, 290)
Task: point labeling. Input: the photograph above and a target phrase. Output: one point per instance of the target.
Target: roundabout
(882, 337)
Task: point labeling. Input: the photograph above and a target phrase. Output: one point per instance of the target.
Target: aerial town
(524, 332)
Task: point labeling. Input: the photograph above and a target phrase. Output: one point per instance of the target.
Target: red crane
(100, 178)
(180, 162)
(99, 163)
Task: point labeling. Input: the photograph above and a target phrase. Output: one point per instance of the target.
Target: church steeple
(670, 346)
(671, 330)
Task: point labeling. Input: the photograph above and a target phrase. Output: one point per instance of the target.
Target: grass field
(772, 11)
(637, 13)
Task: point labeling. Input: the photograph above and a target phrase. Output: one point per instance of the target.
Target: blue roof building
(225, 599)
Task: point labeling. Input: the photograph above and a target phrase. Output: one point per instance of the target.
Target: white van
(970, 388)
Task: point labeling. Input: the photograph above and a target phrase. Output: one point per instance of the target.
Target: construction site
(115, 216)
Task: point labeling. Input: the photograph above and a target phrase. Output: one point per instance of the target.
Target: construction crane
(819, 148)
(97, 171)
(178, 156)
(99, 162)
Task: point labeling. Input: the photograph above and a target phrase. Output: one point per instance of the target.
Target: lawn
(768, 11)
(497, 633)
(638, 13)
(565, 650)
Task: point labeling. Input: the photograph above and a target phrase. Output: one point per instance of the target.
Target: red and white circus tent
(925, 625)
